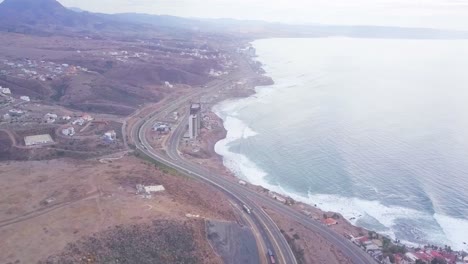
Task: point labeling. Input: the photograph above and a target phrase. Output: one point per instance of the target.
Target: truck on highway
(247, 209)
(272, 256)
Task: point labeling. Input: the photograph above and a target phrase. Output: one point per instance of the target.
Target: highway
(270, 233)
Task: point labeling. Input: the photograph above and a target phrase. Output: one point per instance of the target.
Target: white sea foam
(452, 231)
(242, 166)
(434, 228)
(455, 229)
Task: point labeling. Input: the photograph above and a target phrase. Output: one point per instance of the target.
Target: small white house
(155, 188)
(50, 118)
(79, 121)
(110, 136)
(168, 84)
(25, 98)
(5, 91)
(68, 131)
(87, 118)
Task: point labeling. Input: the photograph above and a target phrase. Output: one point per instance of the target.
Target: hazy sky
(420, 13)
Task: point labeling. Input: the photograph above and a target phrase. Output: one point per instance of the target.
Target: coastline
(205, 154)
(216, 162)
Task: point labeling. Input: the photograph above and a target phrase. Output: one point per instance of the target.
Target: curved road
(271, 235)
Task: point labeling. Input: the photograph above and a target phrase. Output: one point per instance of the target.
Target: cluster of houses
(388, 253)
(124, 56)
(13, 113)
(5, 95)
(82, 120)
(39, 70)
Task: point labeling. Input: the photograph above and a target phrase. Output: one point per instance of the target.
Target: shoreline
(216, 161)
(208, 156)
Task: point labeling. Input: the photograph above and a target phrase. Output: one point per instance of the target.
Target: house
(87, 118)
(110, 136)
(372, 247)
(50, 118)
(155, 188)
(330, 221)
(360, 240)
(146, 191)
(66, 118)
(25, 98)
(168, 84)
(68, 131)
(277, 197)
(5, 91)
(79, 121)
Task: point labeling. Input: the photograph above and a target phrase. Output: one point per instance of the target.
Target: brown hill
(44, 17)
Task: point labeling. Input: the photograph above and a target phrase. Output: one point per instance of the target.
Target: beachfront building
(194, 121)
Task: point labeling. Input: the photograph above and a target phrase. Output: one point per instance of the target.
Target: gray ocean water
(374, 129)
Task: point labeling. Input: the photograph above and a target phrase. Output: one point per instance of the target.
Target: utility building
(194, 121)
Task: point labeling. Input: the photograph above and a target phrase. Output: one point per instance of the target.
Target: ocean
(376, 129)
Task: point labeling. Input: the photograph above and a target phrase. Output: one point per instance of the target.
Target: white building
(168, 85)
(194, 121)
(87, 118)
(5, 91)
(25, 98)
(66, 118)
(110, 136)
(50, 118)
(155, 188)
(146, 191)
(68, 131)
(277, 197)
(79, 121)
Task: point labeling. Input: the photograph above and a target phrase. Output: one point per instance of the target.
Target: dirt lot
(44, 205)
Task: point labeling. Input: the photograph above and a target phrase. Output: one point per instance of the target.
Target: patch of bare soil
(45, 205)
(158, 242)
